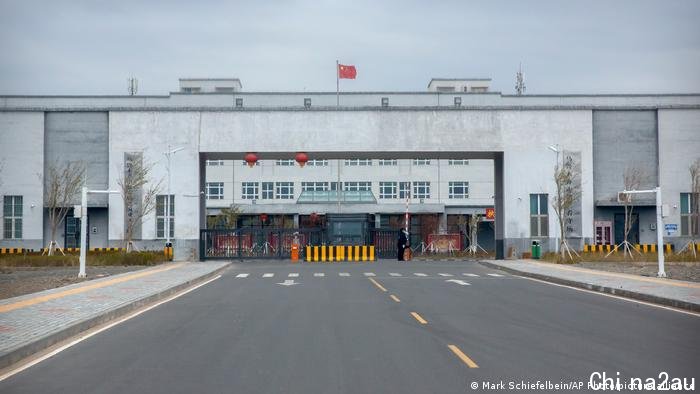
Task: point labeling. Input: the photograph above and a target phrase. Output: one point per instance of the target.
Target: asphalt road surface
(386, 327)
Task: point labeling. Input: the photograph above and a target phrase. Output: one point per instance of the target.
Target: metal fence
(384, 242)
(256, 243)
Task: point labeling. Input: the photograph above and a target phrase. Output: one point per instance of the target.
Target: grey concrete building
(456, 152)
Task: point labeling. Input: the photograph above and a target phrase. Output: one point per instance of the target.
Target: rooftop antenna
(132, 86)
(519, 82)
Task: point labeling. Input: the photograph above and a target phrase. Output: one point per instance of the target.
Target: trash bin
(536, 250)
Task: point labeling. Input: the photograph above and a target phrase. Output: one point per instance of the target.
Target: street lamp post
(83, 225)
(167, 154)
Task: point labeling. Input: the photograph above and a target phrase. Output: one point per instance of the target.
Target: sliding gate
(257, 243)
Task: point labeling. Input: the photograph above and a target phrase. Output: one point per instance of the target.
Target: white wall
(22, 157)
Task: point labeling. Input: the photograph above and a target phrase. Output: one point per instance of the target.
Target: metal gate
(384, 242)
(257, 243)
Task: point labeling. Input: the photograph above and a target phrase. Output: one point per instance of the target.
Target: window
(387, 190)
(224, 89)
(479, 89)
(334, 186)
(191, 90)
(421, 162)
(445, 88)
(689, 214)
(307, 102)
(215, 190)
(314, 186)
(539, 216)
(12, 217)
(458, 162)
(268, 192)
(249, 190)
(245, 163)
(284, 190)
(161, 215)
(284, 163)
(459, 189)
(358, 186)
(458, 101)
(358, 162)
(388, 162)
(421, 189)
(385, 101)
(239, 103)
(212, 163)
(317, 163)
(404, 190)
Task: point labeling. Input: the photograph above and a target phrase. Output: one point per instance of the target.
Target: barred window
(284, 190)
(358, 162)
(215, 190)
(387, 190)
(388, 162)
(163, 214)
(12, 217)
(249, 190)
(421, 162)
(421, 189)
(284, 163)
(459, 189)
(317, 163)
(539, 215)
(358, 186)
(268, 190)
(212, 163)
(404, 190)
(245, 163)
(458, 162)
(314, 186)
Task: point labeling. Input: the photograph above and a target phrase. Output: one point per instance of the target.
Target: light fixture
(553, 148)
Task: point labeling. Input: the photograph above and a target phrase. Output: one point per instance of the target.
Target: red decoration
(313, 218)
(346, 72)
(251, 158)
(302, 158)
(490, 213)
(263, 217)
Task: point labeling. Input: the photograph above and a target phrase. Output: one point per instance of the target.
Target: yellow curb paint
(82, 289)
(463, 356)
(419, 318)
(380, 287)
(395, 298)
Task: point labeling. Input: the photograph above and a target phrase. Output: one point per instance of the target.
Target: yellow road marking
(463, 356)
(420, 319)
(395, 298)
(82, 289)
(377, 284)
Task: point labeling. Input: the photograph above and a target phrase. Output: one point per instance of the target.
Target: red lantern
(302, 158)
(251, 158)
(263, 217)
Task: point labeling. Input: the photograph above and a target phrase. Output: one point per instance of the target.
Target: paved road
(342, 333)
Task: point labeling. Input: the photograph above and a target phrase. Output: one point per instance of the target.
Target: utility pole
(519, 81)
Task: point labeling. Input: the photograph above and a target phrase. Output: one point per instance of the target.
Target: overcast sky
(91, 47)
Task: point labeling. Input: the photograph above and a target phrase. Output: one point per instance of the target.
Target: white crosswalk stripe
(370, 274)
(242, 275)
(496, 275)
(293, 275)
(419, 274)
(319, 274)
(268, 275)
(394, 274)
(446, 275)
(344, 274)
(472, 275)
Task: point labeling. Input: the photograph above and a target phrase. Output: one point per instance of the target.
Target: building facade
(453, 154)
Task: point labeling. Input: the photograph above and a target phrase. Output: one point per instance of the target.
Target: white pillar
(83, 232)
(660, 233)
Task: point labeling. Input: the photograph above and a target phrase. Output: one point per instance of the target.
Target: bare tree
(568, 192)
(632, 179)
(138, 202)
(474, 246)
(694, 207)
(62, 184)
(227, 217)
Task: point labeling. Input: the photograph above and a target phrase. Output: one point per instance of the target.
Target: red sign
(490, 213)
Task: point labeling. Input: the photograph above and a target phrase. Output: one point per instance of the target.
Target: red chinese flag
(347, 72)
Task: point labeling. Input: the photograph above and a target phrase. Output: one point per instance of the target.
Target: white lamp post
(83, 225)
(167, 154)
(659, 225)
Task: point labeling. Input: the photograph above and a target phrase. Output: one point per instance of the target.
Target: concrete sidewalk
(34, 322)
(675, 293)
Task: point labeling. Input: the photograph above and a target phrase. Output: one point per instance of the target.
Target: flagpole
(337, 83)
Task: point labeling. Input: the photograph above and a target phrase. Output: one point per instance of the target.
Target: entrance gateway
(340, 229)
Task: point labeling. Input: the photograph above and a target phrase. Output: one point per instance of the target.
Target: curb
(23, 351)
(690, 306)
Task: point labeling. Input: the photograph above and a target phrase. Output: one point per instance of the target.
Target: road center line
(419, 318)
(463, 356)
(395, 298)
(380, 287)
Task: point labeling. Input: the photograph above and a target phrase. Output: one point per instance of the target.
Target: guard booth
(349, 229)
